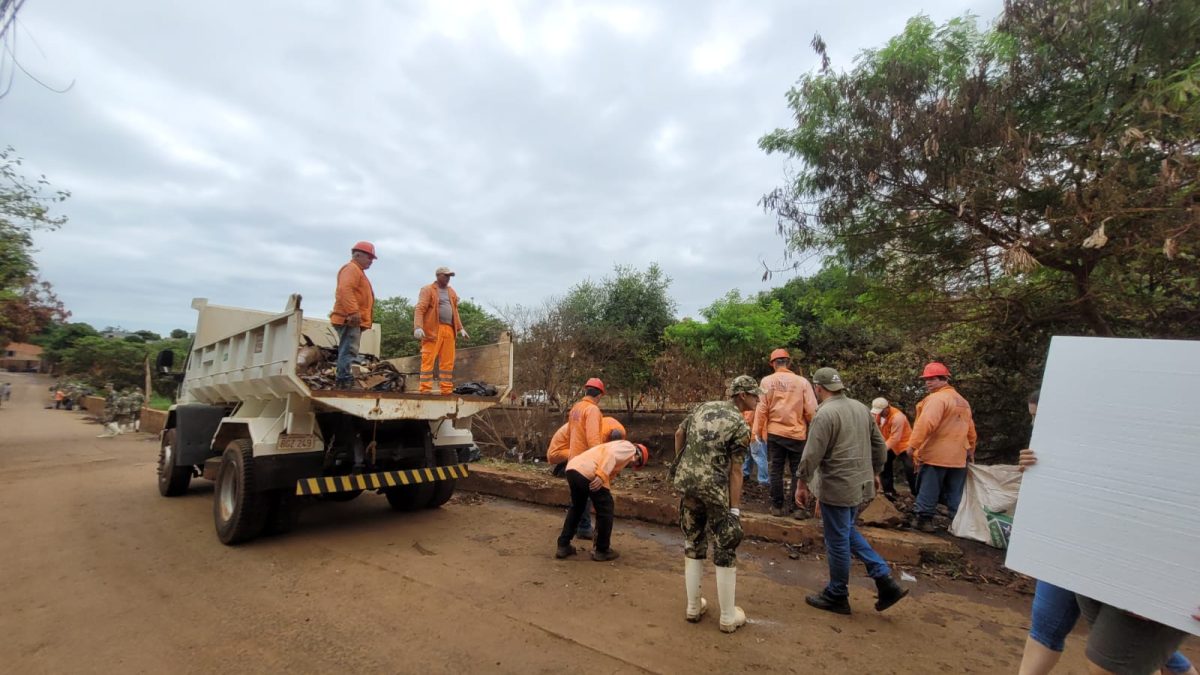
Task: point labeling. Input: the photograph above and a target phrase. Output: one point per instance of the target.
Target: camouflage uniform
(124, 409)
(136, 400)
(110, 405)
(716, 436)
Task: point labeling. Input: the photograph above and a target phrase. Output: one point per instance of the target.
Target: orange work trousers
(440, 350)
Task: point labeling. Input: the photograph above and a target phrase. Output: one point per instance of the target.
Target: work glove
(463, 333)
(419, 333)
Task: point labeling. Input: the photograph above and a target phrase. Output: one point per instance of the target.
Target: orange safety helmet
(366, 247)
(935, 369)
(596, 383)
(780, 354)
(645, 456)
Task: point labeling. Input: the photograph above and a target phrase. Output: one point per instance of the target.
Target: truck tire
(172, 480)
(443, 490)
(239, 510)
(410, 497)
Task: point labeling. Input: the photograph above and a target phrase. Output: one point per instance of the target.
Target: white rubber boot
(732, 616)
(693, 571)
(111, 429)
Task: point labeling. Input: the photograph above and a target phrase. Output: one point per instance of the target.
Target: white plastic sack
(988, 502)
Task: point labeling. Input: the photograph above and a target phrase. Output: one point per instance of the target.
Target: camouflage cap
(743, 384)
(828, 378)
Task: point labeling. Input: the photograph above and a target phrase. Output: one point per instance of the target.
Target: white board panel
(1112, 509)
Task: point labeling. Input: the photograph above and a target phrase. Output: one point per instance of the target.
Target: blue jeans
(939, 483)
(842, 540)
(347, 351)
(1054, 614)
(757, 456)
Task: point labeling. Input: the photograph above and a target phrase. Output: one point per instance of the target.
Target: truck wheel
(172, 480)
(409, 497)
(239, 510)
(443, 490)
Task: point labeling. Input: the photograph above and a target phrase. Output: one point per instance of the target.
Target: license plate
(296, 442)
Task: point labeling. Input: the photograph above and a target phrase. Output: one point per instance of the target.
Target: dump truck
(246, 420)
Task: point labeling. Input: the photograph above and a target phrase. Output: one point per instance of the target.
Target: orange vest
(786, 407)
(560, 446)
(944, 433)
(895, 429)
(425, 314)
(585, 426)
(353, 295)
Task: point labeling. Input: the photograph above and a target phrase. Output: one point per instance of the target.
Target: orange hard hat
(645, 456)
(935, 369)
(779, 354)
(596, 383)
(366, 247)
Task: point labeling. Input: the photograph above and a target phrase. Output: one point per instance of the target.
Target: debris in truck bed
(317, 367)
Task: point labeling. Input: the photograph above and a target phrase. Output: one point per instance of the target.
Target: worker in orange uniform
(896, 430)
(942, 442)
(590, 477)
(586, 426)
(560, 445)
(784, 410)
(435, 322)
(353, 307)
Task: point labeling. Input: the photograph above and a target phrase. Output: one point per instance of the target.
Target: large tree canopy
(1059, 146)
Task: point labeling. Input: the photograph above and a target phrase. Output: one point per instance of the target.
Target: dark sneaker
(605, 556)
(890, 593)
(926, 525)
(829, 604)
(585, 534)
(778, 511)
(564, 552)
(801, 514)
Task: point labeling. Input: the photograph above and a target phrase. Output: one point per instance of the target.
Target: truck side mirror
(164, 361)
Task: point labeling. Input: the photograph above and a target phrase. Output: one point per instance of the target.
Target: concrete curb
(909, 548)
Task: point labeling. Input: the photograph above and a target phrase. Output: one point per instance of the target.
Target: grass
(159, 402)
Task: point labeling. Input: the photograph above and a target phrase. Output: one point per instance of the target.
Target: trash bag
(988, 501)
(475, 389)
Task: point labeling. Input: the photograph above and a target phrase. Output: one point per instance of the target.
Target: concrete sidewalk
(909, 548)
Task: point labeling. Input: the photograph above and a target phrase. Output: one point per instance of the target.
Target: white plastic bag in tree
(988, 501)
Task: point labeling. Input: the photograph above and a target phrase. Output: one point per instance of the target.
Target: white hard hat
(879, 405)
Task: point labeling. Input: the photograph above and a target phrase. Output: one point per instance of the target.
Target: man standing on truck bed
(435, 321)
(353, 305)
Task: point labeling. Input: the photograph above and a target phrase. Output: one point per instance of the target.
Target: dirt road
(98, 573)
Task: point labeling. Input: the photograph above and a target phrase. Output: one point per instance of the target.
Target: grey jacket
(845, 445)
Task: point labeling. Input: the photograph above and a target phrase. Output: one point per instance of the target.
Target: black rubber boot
(605, 556)
(829, 604)
(890, 593)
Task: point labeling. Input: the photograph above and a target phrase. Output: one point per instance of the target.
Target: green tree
(179, 334)
(27, 304)
(1062, 140)
(100, 361)
(736, 335)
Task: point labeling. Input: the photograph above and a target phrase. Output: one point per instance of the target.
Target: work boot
(829, 603)
(564, 551)
(605, 556)
(777, 511)
(801, 514)
(925, 524)
(693, 570)
(890, 593)
(732, 616)
(589, 535)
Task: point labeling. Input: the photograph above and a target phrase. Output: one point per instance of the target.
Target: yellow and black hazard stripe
(377, 481)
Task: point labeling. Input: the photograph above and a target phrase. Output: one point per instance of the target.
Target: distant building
(117, 334)
(19, 357)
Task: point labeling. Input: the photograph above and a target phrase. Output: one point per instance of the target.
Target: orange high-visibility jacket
(609, 425)
(425, 314)
(586, 428)
(560, 446)
(605, 460)
(786, 407)
(944, 433)
(354, 295)
(895, 429)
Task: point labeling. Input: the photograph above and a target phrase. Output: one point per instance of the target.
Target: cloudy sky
(235, 151)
